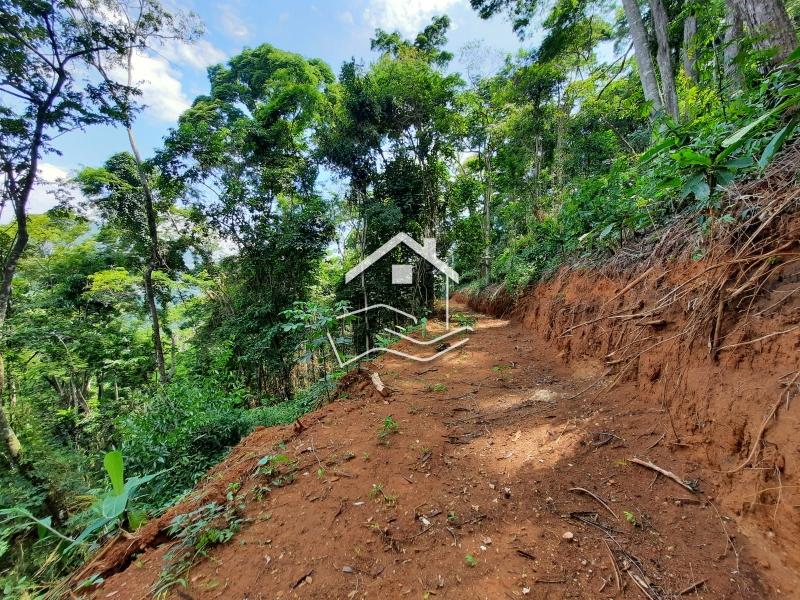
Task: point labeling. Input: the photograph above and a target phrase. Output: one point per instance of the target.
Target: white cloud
(42, 198)
(197, 55)
(162, 93)
(50, 179)
(346, 17)
(407, 16)
(231, 23)
(156, 75)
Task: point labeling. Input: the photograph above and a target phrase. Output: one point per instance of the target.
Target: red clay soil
(502, 480)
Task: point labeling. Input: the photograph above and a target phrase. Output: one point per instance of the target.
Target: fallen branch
(689, 485)
(692, 587)
(617, 576)
(596, 497)
(632, 284)
(297, 582)
(763, 337)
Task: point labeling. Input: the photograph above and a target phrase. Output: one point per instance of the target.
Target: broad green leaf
(687, 157)
(42, 528)
(652, 152)
(17, 512)
(738, 163)
(113, 505)
(740, 134)
(776, 143)
(115, 467)
(134, 483)
(698, 186)
(606, 230)
(725, 177)
(95, 525)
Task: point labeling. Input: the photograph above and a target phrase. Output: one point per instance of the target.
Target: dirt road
(485, 474)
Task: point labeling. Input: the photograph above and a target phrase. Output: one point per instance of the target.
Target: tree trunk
(770, 23)
(733, 33)
(152, 232)
(689, 55)
(151, 303)
(10, 439)
(487, 220)
(640, 46)
(664, 57)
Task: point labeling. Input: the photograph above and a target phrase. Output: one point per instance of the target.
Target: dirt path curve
(497, 483)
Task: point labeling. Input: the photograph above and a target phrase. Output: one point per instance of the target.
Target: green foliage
(631, 518)
(388, 427)
(463, 319)
(195, 533)
(186, 426)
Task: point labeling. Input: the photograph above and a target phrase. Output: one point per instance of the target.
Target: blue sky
(333, 30)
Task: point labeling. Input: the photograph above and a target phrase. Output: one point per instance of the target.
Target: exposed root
(765, 423)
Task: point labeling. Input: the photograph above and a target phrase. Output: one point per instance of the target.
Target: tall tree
(116, 191)
(731, 38)
(421, 121)
(770, 25)
(46, 91)
(689, 51)
(246, 151)
(664, 57)
(641, 48)
(147, 22)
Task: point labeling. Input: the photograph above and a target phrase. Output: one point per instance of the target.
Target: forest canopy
(187, 296)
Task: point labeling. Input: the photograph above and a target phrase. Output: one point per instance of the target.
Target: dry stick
(763, 428)
(664, 472)
(654, 444)
(636, 340)
(378, 384)
(596, 497)
(617, 576)
(763, 337)
(727, 535)
(764, 281)
(629, 316)
(642, 585)
(720, 265)
(750, 282)
(692, 587)
(590, 386)
(781, 301)
(780, 493)
(590, 321)
(613, 384)
(666, 407)
(631, 285)
(717, 326)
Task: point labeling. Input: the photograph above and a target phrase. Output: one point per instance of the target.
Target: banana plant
(112, 508)
(115, 506)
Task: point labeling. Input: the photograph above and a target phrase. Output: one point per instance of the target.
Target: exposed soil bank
(710, 350)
